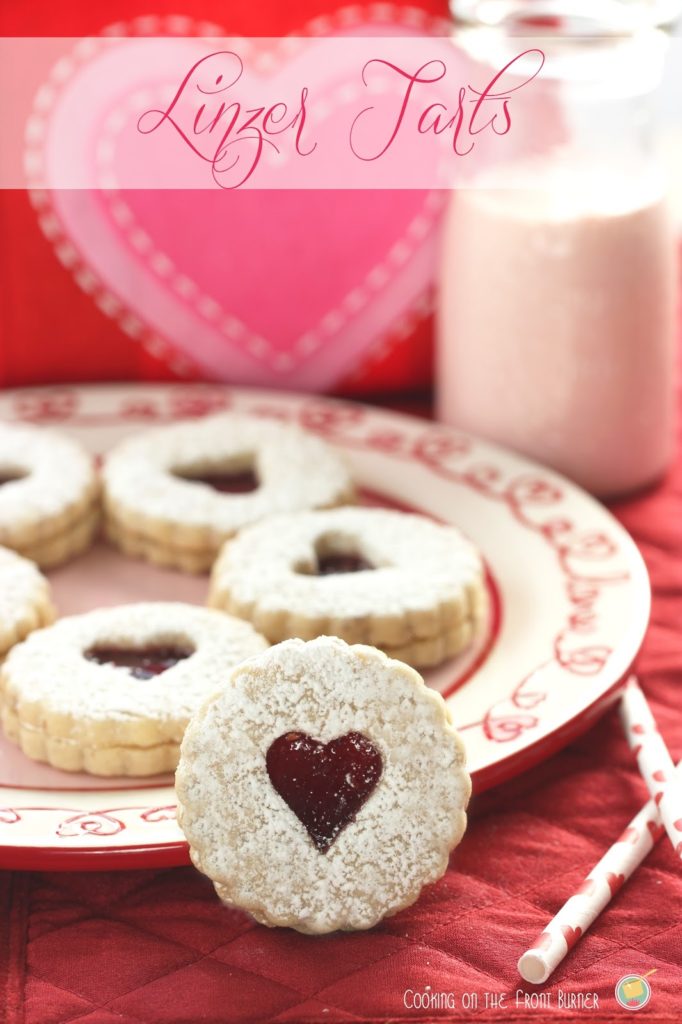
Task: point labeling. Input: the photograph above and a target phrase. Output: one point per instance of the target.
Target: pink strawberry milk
(557, 311)
(557, 338)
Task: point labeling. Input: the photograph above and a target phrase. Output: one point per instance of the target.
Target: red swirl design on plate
(154, 814)
(388, 441)
(96, 823)
(532, 490)
(140, 409)
(323, 418)
(107, 822)
(433, 448)
(502, 722)
(56, 405)
(502, 730)
(583, 661)
(190, 403)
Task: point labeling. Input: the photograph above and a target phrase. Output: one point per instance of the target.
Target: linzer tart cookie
(110, 692)
(404, 583)
(174, 494)
(323, 788)
(49, 494)
(25, 601)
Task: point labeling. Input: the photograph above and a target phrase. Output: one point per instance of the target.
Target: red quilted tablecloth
(156, 946)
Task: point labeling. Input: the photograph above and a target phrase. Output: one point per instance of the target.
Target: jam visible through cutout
(142, 664)
(334, 555)
(330, 565)
(237, 479)
(324, 784)
(10, 476)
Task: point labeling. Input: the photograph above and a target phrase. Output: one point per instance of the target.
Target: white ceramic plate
(569, 612)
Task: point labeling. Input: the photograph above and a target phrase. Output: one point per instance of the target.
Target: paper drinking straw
(587, 903)
(653, 760)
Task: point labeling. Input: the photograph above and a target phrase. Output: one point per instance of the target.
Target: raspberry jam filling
(143, 664)
(324, 784)
(242, 481)
(330, 565)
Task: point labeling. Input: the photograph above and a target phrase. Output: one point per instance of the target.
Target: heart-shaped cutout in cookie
(142, 664)
(324, 784)
(243, 481)
(334, 565)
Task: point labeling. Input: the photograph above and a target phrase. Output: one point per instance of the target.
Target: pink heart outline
(392, 310)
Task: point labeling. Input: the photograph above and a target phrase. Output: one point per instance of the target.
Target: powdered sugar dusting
(296, 471)
(418, 565)
(245, 837)
(23, 589)
(52, 685)
(55, 478)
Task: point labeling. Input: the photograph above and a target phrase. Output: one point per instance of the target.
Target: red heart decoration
(638, 730)
(659, 776)
(678, 824)
(324, 784)
(655, 829)
(616, 882)
(571, 935)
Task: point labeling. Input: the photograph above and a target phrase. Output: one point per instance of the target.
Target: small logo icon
(633, 992)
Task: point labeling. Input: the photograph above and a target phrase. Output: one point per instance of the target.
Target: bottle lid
(568, 17)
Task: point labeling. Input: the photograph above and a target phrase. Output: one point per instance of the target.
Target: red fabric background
(49, 329)
(156, 946)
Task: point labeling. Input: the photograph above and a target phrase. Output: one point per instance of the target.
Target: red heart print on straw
(653, 760)
(586, 904)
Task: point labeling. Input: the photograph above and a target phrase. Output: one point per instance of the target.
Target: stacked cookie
(49, 513)
(49, 495)
(25, 599)
(400, 582)
(111, 692)
(174, 495)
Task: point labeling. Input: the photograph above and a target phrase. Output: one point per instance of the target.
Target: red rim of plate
(176, 853)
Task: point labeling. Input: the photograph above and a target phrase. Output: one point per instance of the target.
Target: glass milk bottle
(556, 324)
